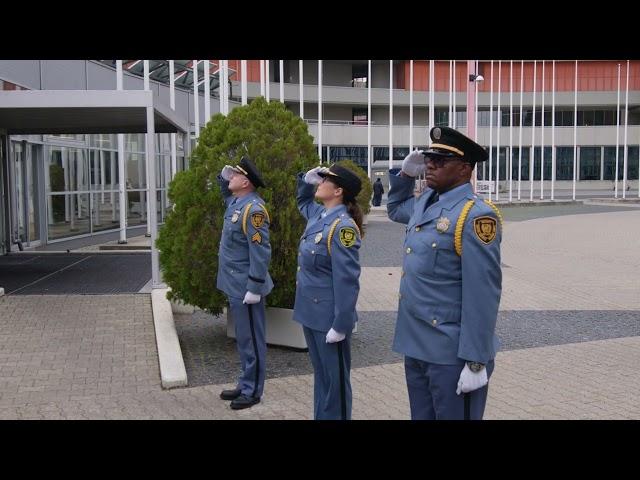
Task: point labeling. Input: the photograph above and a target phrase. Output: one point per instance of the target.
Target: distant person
(378, 190)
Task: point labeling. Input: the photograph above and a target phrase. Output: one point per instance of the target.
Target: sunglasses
(439, 161)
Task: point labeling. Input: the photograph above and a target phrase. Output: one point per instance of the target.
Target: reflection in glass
(136, 171)
(71, 215)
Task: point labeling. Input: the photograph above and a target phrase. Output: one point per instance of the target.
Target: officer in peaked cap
(328, 282)
(450, 285)
(243, 263)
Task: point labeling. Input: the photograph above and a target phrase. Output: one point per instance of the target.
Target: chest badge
(318, 237)
(235, 216)
(443, 224)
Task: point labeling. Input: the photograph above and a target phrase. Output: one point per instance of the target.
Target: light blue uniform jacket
(448, 304)
(328, 278)
(243, 258)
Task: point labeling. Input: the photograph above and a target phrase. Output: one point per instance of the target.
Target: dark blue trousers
(432, 391)
(331, 376)
(252, 347)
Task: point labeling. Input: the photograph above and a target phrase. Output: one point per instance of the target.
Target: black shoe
(230, 394)
(244, 401)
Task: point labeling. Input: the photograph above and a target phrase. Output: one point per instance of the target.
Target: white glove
(227, 172)
(312, 177)
(470, 381)
(333, 336)
(251, 298)
(414, 164)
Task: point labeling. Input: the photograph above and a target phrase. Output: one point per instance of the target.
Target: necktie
(434, 198)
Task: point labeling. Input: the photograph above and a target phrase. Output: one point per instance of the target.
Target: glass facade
(80, 176)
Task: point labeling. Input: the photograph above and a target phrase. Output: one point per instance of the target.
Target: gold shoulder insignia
(347, 236)
(257, 219)
(485, 229)
(460, 226)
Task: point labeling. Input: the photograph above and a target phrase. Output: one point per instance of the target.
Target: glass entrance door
(26, 211)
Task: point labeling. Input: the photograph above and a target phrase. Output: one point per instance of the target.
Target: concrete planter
(281, 329)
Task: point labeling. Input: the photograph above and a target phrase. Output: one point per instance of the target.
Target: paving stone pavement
(94, 357)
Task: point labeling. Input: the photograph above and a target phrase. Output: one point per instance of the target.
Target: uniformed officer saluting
(328, 283)
(451, 279)
(243, 262)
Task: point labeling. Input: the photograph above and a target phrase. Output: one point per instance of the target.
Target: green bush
(364, 197)
(279, 143)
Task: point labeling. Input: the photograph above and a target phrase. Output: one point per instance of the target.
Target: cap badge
(437, 133)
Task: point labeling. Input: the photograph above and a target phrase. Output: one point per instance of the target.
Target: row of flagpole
(493, 173)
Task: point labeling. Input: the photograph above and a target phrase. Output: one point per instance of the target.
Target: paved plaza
(569, 324)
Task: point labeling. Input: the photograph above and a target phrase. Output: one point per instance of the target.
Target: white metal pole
(499, 129)
(449, 119)
(520, 133)
(575, 132)
(542, 139)
(626, 121)
(207, 92)
(243, 81)
(390, 114)
(453, 108)
(553, 129)
(146, 154)
(491, 133)
(196, 101)
(432, 79)
(282, 81)
(510, 163)
(320, 110)
(262, 78)
(300, 67)
(532, 155)
(122, 194)
(226, 87)
(410, 105)
(172, 104)
(475, 110)
(153, 218)
(267, 80)
(369, 159)
(617, 136)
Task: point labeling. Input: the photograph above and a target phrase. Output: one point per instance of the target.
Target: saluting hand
(312, 177)
(227, 172)
(414, 163)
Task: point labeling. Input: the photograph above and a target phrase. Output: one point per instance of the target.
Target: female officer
(327, 283)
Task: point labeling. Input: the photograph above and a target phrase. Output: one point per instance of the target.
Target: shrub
(279, 143)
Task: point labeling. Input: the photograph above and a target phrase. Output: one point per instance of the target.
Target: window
(564, 163)
(359, 116)
(589, 163)
(359, 75)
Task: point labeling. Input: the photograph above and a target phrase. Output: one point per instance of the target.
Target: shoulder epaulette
(495, 209)
(460, 225)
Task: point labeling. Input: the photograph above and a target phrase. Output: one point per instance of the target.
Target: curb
(172, 370)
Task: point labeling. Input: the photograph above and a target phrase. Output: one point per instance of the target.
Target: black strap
(255, 351)
(467, 406)
(433, 199)
(343, 395)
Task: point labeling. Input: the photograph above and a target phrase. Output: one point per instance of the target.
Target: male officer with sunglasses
(451, 279)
